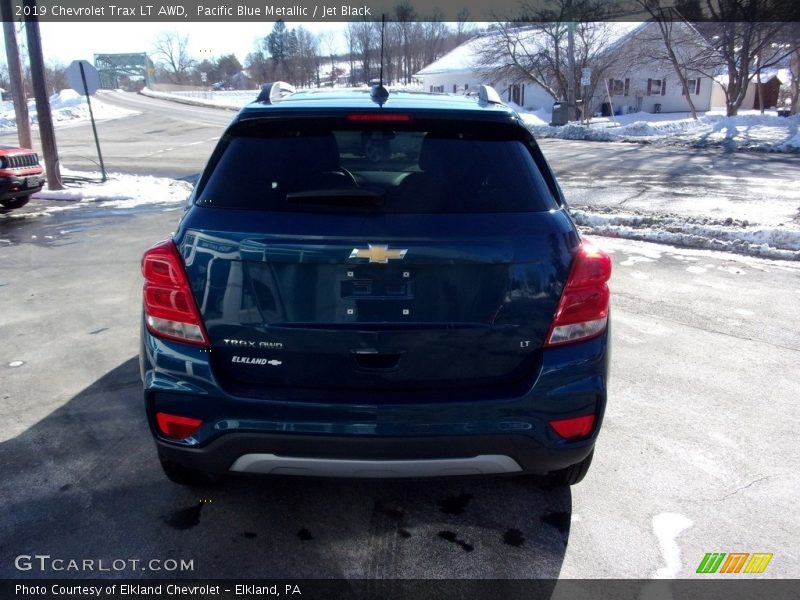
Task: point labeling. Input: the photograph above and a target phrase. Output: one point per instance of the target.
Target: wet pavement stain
(514, 537)
(249, 535)
(398, 516)
(451, 537)
(304, 535)
(559, 520)
(454, 505)
(185, 518)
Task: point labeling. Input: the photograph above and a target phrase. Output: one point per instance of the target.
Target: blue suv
(375, 285)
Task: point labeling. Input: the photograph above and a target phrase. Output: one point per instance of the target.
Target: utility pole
(15, 76)
(46, 133)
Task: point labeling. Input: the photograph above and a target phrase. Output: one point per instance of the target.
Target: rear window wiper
(337, 197)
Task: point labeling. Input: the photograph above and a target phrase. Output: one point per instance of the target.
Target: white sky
(65, 42)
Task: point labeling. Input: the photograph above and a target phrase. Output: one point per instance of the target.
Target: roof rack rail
(488, 95)
(274, 92)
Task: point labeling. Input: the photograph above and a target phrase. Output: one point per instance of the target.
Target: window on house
(694, 86)
(437, 89)
(619, 87)
(516, 93)
(656, 87)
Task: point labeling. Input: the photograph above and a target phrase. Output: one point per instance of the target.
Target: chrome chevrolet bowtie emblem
(378, 253)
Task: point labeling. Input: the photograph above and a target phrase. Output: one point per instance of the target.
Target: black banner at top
(230, 11)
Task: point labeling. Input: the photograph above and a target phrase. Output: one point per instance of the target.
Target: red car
(21, 175)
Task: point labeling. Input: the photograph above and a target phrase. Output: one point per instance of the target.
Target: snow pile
(67, 106)
(118, 191)
(750, 130)
(694, 232)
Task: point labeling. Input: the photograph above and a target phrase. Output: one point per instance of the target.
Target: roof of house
(466, 57)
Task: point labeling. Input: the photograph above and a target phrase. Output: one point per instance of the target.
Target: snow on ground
(750, 130)
(119, 191)
(67, 106)
(729, 235)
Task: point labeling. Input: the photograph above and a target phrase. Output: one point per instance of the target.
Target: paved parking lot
(698, 451)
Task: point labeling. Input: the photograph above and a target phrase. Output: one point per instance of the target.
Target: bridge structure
(113, 67)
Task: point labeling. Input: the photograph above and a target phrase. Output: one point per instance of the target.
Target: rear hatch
(376, 256)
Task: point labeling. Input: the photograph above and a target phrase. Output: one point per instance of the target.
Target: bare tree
(538, 53)
(674, 44)
(405, 22)
(366, 36)
(327, 41)
(465, 29)
(794, 89)
(746, 32)
(549, 43)
(172, 53)
(434, 33)
(306, 58)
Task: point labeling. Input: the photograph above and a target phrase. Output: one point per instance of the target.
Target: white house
(622, 75)
(459, 70)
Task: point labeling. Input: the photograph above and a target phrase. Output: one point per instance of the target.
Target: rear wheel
(15, 202)
(187, 476)
(572, 474)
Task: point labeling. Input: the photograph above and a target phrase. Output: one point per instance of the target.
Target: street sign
(586, 76)
(76, 81)
(84, 79)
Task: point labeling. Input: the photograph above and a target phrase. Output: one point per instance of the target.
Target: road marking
(667, 527)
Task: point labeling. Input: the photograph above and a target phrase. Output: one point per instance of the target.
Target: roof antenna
(379, 93)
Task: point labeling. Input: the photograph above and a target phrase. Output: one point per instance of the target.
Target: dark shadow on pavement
(84, 483)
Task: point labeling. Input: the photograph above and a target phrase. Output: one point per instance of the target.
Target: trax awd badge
(254, 344)
(378, 253)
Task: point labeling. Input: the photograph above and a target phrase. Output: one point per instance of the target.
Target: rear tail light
(573, 428)
(583, 310)
(169, 307)
(177, 427)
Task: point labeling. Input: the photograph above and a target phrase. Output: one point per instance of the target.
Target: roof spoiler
(274, 92)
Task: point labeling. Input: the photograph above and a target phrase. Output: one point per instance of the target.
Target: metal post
(46, 132)
(91, 117)
(15, 76)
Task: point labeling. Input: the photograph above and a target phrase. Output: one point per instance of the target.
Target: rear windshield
(380, 167)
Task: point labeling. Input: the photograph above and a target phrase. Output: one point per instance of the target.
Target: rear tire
(572, 474)
(15, 202)
(187, 476)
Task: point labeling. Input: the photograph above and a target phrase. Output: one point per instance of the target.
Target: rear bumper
(385, 437)
(431, 455)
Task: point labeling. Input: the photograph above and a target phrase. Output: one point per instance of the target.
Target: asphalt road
(698, 452)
